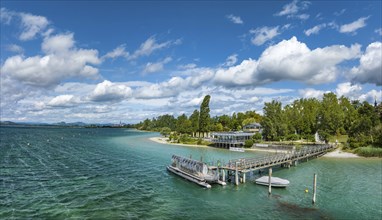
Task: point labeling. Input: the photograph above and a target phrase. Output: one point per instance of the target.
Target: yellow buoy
(306, 190)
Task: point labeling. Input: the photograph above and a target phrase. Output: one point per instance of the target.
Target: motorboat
(195, 171)
(275, 181)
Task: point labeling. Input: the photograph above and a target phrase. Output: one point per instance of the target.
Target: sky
(112, 61)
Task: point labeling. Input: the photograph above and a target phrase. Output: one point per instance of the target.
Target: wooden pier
(239, 167)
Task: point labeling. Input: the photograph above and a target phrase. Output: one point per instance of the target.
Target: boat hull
(275, 182)
(187, 176)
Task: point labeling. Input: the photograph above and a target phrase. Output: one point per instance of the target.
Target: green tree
(331, 116)
(194, 118)
(183, 125)
(204, 118)
(166, 131)
(350, 113)
(248, 121)
(273, 123)
(219, 127)
(225, 121)
(257, 138)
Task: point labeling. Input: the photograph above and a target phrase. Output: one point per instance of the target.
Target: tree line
(361, 122)
(331, 116)
(200, 121)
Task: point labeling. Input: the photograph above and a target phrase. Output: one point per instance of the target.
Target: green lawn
(340, 138)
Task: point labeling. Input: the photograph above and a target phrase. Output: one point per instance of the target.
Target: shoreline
(337, 153)
(163, 140)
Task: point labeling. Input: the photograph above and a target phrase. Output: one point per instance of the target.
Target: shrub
(369, 151)
(292, 137)
(257, 137)
(248, 143)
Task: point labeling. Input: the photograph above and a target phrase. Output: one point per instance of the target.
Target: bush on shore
(369, 151)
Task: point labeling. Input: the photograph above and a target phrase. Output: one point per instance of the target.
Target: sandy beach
(337, 153)
(163, 140)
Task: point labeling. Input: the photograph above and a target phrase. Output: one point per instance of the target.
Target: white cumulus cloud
(15, 48)
(235, 19)
(348, 90)
(151, 45)
(289, 60)
(264, 34)
(62, 60)
(62, 101)
(312, 93)
(119, 51)
(231, 60)
(314, 30)
(370, 67)
(110, 92)
(292, 9)
(378, 31)
(354, 26)
(32, 24)
(156, 67)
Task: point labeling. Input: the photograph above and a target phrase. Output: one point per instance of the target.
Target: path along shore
(337, 153)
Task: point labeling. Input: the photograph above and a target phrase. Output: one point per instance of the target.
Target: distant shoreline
(337, 153)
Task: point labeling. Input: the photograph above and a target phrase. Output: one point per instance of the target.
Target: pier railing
(247, 164)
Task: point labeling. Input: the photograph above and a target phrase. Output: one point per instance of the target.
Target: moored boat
(237, 149)
(194, 171)
(275, 181)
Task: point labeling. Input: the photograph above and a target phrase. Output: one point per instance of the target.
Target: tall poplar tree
(204, 119)
(194, 118)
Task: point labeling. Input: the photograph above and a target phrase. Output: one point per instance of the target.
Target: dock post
(201, 158)
(269, 181)
(243, 177)
(314, 188)
(236, 174)
(223, 175)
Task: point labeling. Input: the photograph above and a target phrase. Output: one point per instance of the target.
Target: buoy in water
(306, 190)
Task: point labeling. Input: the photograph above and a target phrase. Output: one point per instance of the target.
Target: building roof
(231, 133)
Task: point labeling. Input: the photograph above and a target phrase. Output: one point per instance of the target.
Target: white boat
(275, 181)
(195, 171)
(237, 149)
(192, 178)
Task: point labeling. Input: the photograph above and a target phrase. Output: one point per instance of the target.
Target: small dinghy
(275, 181)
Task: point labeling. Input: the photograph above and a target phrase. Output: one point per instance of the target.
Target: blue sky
(111, 61)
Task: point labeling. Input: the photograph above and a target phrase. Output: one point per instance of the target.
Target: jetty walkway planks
(251, 164)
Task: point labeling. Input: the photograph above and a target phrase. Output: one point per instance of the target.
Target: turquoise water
(117, 173)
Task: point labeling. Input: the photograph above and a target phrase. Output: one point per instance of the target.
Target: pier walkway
(287, 159)
(238, 168)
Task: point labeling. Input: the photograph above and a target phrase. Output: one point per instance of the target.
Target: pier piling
(243, 177)
(269, 181)
(314, 188)
(236, 174)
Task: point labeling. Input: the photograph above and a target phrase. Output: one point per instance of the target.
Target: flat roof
(232, 133)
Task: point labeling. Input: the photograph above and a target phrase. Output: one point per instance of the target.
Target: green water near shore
(117, 173)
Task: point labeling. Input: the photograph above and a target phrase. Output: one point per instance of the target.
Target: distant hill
(7, 123)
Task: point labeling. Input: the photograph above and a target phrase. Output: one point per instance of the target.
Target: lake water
(119, 173)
